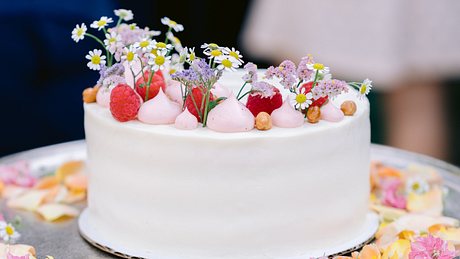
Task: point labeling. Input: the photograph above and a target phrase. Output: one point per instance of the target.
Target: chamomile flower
(162, 45)
(417, 185)
(212, 50)
(175, 41)
(182, 56)
(209, 46)
(8, 233)
(124, 14)
(96, 59)
(112, 41)
(159, 60)
(172, 24)
(129, 54)
(365, 88)
(78, 33)
(233, 53)
(145, 45)
(191, 55)
(227, 63)
(101, 23)
(300, 99)
(319, 67)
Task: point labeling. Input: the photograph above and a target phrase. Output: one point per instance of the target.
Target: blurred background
(409, 48)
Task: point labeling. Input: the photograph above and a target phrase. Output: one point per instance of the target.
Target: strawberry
(197, 94)
(124, 103)
(257, 103)
(306, 88)
(157, 82)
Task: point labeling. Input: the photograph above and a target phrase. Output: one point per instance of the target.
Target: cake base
(89, 232)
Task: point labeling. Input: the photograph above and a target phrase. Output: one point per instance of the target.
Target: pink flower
(430, 247)
(286, 71)
(18, 174)
(303, 72)
(391, 196)
(10, 256)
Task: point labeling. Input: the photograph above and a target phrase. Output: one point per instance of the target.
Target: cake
(277, 172)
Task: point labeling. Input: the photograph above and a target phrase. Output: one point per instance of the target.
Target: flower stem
(118, 22)
(134, 77)
(244, 95)
(102, 43)
(241, 89)
(166, 37)
(205, 116)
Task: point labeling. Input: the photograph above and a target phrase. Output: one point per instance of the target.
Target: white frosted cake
(281, 193)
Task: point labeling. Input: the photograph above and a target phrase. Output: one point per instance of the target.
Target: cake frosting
(281, 193)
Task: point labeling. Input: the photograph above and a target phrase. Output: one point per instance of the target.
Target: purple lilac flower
(206, 73)
(251, 73)
(117, 69)
(264, 88)
(187, 77)
(113, 80)
(430, 247)
(131, 33)
(286, 71)
(303, 72)
(329, 87)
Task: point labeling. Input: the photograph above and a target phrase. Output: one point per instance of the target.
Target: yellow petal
(30, 200)
(370, 252)
(47, 182)
(388, 213)
(406, 234)
(397, 250)
(77, 182)
(433, 229)
(429, 203)
(54, 211)
(2, 186)
(68, 168)
(426, 173)
(385, 172)
(74, 197)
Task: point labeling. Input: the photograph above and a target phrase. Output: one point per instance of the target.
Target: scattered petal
(54, 211)
(47, 182)
(429, 203)
(77, 182)
(30, 200)
(68, 168)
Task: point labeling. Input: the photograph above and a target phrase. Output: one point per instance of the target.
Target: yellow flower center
(301, 98)
(80, 32)
(112, 40)
(130, 56)
(96, 59)
(144, 43)
(9, 230)
(216, 53)
(227, 63)
(415, 186)
(101, 23)
(161, 45)
(234, 54)
(154, 51)
(192, 56)
(172, 23)
(318, 66)
(172, 71)
(363, 89)
(213, 46)
(159, 60)
(132, 26)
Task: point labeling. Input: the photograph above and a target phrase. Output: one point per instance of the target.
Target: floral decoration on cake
(151, 77)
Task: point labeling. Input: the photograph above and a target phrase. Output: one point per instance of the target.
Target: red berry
(197, 94)
(257, 103)
(124, 103)
(306, 88)
(320, 101)
(157, 82)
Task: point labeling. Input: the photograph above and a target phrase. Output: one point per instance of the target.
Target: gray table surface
(62, 239)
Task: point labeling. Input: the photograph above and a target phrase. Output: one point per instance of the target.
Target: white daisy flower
(124, 14)
(210, 46)
(212, 52)
(78, 33)
(172, 24)
(233, 53)
(191, 55)
(102, 23)
(159, 61)
(417, 185)
(162, 45)
(112, 41)
(182, 56)
(301, 100)
(319, 67)
(129, 54)
(96, 59)
(227, 63)
(175, 41)
(145, 45)
(8, 233)
(365, 88)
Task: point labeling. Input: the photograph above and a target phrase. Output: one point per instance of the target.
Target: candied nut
(348, 108)
(263, 121)
(89, 94)
(313, 114)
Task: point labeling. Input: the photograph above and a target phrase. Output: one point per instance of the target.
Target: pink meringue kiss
(103, 97)
(331, 113)
(186, 121)
(287, 117)
(221, 91)
(159, 110)
(174, 92)
(230, 116)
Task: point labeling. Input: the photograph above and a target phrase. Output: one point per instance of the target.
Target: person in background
(406, 47)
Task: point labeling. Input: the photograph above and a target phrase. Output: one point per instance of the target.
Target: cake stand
(63, 240)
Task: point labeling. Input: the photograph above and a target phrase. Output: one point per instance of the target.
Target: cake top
(161, 82)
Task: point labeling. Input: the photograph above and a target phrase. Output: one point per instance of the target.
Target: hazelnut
(89, 94)
(263, 121)
(348, 108)
(313, 114)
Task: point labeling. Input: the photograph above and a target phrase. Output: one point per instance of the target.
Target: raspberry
(198, 94)
(307, 88)
(124, 103)
(257, 103)
(157, 82)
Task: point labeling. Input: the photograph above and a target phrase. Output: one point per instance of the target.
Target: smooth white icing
(205, 194)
